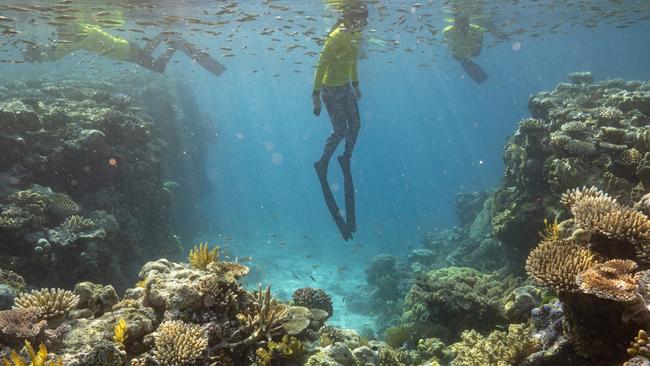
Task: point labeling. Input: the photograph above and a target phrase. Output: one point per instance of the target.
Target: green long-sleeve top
(94, 38)
(337, 64)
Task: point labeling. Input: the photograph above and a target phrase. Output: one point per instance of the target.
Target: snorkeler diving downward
(336, 76)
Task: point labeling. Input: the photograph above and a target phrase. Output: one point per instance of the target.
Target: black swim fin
(350, 218)
(201, 57)
(474, 70)
(321, 170)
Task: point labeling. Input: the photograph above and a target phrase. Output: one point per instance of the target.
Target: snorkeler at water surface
(337, 83)
(86, 35)
(466, 41)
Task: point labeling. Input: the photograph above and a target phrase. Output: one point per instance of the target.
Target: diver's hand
(315, 98)
(357, 92)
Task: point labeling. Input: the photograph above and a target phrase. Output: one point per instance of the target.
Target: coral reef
(444, 302)
(80, 150)
(580, 134)
(313, 298)
(51, 303)
(499, 348)
(179, 343)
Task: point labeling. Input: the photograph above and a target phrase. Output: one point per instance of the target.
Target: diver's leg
(351, 132)
(200, 57)
(473, 70)
(144, 58)
(332, 103)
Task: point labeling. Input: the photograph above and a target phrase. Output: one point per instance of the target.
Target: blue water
(427, 134)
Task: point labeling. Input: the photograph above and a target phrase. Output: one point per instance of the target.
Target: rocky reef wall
(94, 178)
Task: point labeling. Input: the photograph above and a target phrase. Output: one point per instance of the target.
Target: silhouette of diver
(336, 76)
(95, 39)
(466, 41)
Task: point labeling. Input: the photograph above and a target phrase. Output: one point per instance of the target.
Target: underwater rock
(96, 298)
(340, 353)
(365, 356)
(584, 77)
(520, 302)
(468, 205)
(6, 297)
(424, 257)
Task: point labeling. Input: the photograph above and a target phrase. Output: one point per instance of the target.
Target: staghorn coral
(313, 298)
(557, 263)
(264, 320)
(179, 344)
(640, 346)
(51, 303)
(610, 280)
(499, 348)
(62, 205)
(76, 223)
(231, 271)
(200, 256)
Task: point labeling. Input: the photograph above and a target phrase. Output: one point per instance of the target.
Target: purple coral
(18, 325)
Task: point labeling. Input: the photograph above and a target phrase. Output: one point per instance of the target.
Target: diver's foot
(321, 168)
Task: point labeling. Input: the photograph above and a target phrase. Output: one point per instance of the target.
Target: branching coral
(231, 271)
(557, 263)
(200, 256)
(532, 126)
(264, 320)
(51, 303)
(610, 280)
(76, 223)
(62, 205)
(179, 343)
(498, 349)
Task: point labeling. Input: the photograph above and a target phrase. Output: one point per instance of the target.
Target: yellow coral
(289, 347)
(119, 334)
(551, 231)
(200, 256)
(37, 359)
(639, 347)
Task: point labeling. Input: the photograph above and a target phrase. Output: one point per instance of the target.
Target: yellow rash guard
(464, 45)
(94, 38)
(337, 64)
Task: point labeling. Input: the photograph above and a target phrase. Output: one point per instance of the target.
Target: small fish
(312, 278)
(343, 300)
(295, 275)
